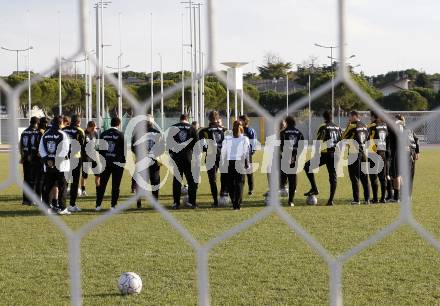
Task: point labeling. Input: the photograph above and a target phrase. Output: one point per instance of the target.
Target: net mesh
(335, 263)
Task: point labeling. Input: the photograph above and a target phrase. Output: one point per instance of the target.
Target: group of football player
(58, 155)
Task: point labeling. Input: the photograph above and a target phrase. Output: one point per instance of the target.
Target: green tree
(430, 95)
(274, 67)
(404, 100)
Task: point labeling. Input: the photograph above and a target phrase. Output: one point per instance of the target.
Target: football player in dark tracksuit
(394, 193)
(180, 142)
(358, 131)
(76, 133)
(252, 135)
(114, 157)
(290, 138)
(414, 152)
(330, 134)
(216, 133)
(54, 150)
(39, 179)
(155, 147)
(378, 130)
(29, 142)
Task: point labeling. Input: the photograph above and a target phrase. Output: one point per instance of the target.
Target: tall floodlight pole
(196, 72)
(99, 6)
(151, 65)
(287, 94)
(29, 69)
(201, 106)
(333, 75)
(161, 93)
(202, 68)
(191, 52)
(102, 6)
(86, 86)
(17, 51)
(119, 70)
(183, 67)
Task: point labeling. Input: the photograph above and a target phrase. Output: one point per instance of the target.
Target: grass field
(266, 265)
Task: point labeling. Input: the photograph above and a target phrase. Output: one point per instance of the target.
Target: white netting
(335, 264)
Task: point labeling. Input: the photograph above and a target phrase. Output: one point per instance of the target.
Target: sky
(383, 35)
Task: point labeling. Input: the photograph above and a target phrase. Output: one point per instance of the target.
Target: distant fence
(428, 132)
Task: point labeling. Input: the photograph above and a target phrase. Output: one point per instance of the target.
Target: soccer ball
(284, 192)
(130, 283)
(185, 199)
(184, 190)
(312, 200)
(223, 200)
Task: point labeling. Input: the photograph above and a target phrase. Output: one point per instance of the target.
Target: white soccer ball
(312, 200)
(284, 192)
(130, 283)
(223, 200)
(184, 190)
(185, 199)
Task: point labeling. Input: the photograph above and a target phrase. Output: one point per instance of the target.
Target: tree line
(421, 95)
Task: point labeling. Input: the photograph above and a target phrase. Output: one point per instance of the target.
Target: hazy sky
(384, 34)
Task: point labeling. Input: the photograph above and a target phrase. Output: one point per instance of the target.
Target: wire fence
(335, 264)
(428, 132)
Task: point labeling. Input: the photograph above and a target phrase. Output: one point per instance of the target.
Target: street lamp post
(119, 69)
(99, 6)
(333, 76)
(161, 93)
(28, 49)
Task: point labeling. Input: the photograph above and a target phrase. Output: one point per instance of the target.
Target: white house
(395, 86)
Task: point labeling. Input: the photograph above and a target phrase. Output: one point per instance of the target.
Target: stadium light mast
(17, 51)
(200, 75)
(151, 65)
(287, 93)
(190, 4)
(119, 70)
(99, 6)
(161, 93)
(183, 66)
(333, 76)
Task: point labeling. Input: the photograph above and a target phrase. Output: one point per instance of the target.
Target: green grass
(267, 264)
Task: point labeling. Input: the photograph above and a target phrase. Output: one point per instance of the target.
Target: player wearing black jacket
(413, 150)
(358, 131)
(180, 142)
(215, 133)
(330, 134)
(290, 138)
(75, 133)
(29, 142)
(394, 196)
(380, 145)
(114, 157)
(39, 179)
(252, 135)
(54, 151)
(155, 146)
